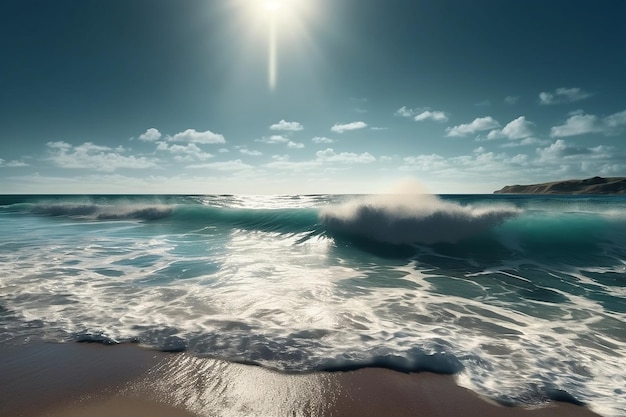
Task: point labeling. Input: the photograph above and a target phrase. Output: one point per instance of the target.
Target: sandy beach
(55, 380)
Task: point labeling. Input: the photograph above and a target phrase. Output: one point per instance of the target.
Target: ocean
(521, 297)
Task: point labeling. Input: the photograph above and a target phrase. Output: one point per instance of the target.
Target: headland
(595, 185)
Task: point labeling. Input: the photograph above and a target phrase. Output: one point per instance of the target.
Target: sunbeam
(281, 19)
(272, 56)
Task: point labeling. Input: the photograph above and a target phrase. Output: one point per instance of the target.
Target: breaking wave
(404, 219)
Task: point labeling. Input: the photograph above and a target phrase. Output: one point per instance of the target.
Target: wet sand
(54, 380)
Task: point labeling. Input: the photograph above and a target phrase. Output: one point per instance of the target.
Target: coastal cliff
(595, 185)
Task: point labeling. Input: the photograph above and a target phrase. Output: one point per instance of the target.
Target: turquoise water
(522, 298)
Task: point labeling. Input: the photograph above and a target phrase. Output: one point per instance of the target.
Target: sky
(308, 96)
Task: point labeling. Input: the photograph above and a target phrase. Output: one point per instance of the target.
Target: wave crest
(418, 218)
(105, 212)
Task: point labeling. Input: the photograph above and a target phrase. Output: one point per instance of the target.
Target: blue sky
(186, 96)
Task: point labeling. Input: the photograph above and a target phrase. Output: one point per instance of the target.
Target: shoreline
(77, 379)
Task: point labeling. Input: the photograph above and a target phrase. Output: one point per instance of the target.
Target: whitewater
(522, 298)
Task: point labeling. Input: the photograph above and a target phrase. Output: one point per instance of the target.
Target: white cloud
(578, 124)
(90, 156)
(479, 124)
(295, 145)
(329, 155)
(519, 128)
(525, 142)
(341, 128)
(480, 164)
(424, 162)
(325, 161)
(560, 150)
(616, 120)
(404, 112)
(520, 159)
(187, 152)
(16, 164)
(480, 149)
(279, 139)
(422, 114)
(150, 135)
(247, 151)
(274, 139)
(59, 145)
(546, 98)
(12, 164)
(494, 134)
(322, 139)
(236, 165)
(563, 95)
(193, 136)
(556, 150)
(89, 147)
(556, 160)
(284, 164)
(178, 149)
(437, 116)
(511, 99)
(287, 126)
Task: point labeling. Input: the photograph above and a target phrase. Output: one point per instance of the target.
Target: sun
(275, 8)
(287, 13)
(272, 6)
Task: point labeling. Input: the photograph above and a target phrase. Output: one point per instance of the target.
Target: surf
(513, 295)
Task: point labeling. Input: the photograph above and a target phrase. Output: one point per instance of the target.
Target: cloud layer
(520, 148)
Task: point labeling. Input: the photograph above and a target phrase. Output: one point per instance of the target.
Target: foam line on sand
(54, 380)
